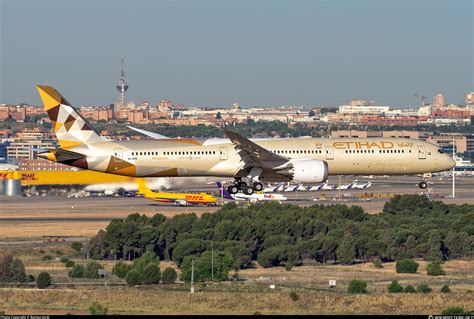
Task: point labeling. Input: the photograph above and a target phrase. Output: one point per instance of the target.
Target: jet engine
(307, 170)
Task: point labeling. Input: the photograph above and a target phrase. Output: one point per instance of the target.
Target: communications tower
(122, 87)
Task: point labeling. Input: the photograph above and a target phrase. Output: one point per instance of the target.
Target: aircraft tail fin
(70, 127)
(223, 191)
(142, 187)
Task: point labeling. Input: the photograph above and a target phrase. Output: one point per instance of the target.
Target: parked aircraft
(346, 186)
(249, 162)
(255, 197)
(321, 187)
(181, 199)
(361, 186)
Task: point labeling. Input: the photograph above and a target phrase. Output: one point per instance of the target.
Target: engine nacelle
(309, 170)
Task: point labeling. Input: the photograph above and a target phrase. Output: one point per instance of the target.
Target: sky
(256, 53)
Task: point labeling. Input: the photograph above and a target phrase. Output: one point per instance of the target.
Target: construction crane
(422, 97)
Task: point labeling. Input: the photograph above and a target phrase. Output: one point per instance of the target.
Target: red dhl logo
(28, 177)
(194, 198)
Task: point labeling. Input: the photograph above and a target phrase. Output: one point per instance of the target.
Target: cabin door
(421, 152)
(118, 154)
(222, 153)
(329, 153)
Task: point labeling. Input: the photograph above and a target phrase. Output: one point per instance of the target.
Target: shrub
(77, 271)
(169, 276)
(147, 258)
(294, 296)
(77, 246)
(91, 269)
(357, 287)
(96, 309)
(395, 287)
(435, 269)
(133, 277)
(69, 264)
(64, 260)
(407, 266)
(453, 311)
(151, 274)
(424, 289)
(17, 271)
(377, 263)
(41, 251)
(409, 289)
(445, 289)
(30, 278)
(121, 269)
(43, 280)
(288, 266)
(58, 252)
(46, 258)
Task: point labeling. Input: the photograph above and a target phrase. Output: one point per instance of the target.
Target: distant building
(469, 98)
(164, 105)
(387, 134)
(364, 109)
(438, 101)
(235, 106)
(43, 165)
(445, 142)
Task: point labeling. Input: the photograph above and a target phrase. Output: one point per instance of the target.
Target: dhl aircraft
(181, 199)
(248, 162)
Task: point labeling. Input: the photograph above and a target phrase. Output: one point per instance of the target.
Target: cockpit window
(440, 151)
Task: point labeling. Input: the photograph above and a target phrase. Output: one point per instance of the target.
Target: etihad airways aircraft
(249, 162)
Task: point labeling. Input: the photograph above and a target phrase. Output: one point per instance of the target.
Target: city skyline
(254, 53)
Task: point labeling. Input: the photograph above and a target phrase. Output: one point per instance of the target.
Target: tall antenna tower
(122, 87)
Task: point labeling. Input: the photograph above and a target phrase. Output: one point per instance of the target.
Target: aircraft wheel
(233, 189)
(257, 186)
(422, 185)
(248, 191)
(242, 186)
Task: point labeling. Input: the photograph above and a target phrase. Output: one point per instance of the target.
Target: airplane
(346, 186)
(321, 187)
(361, 186)
(272, 189)
(255, 197)
(291, 188)
(248, 161)
(181, 199)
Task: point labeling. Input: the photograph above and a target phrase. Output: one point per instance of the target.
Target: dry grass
(135, 301)
(38, 229)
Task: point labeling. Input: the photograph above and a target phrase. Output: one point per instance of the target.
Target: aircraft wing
(252, 153)
(153, 135)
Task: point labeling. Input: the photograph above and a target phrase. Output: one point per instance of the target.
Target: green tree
(91, 270)
(445, 289)
(454, 311)
(121, 269)
(457, 244)
(140, 263)
(407, 266)
(187, 247)
(203, 266)
(77, 246)
(409, 289)
(377, 263)
(133, 277)
(424, 289)
(435, 269)
(17, 272)
(395, 287)
(6, 261)
(346, 251)
(69, 264)
(151, 274)
(77, 271)
(357, 287)
(169, 276)
(96, 309)
(43, 280)
(434, 251)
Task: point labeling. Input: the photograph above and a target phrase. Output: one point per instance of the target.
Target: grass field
(309, 282)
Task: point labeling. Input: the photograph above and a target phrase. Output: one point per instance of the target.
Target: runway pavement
(52, 215)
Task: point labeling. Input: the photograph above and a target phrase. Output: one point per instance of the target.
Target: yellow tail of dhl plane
(177, 198)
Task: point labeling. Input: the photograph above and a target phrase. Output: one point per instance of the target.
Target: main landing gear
(425, 181)
(247, 189)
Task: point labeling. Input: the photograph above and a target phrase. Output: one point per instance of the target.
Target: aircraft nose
(448, 162)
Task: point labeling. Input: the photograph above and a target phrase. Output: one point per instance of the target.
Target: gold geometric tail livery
(70, 127)
(249, 162)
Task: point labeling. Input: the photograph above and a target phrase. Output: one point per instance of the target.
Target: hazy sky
(214, 53)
